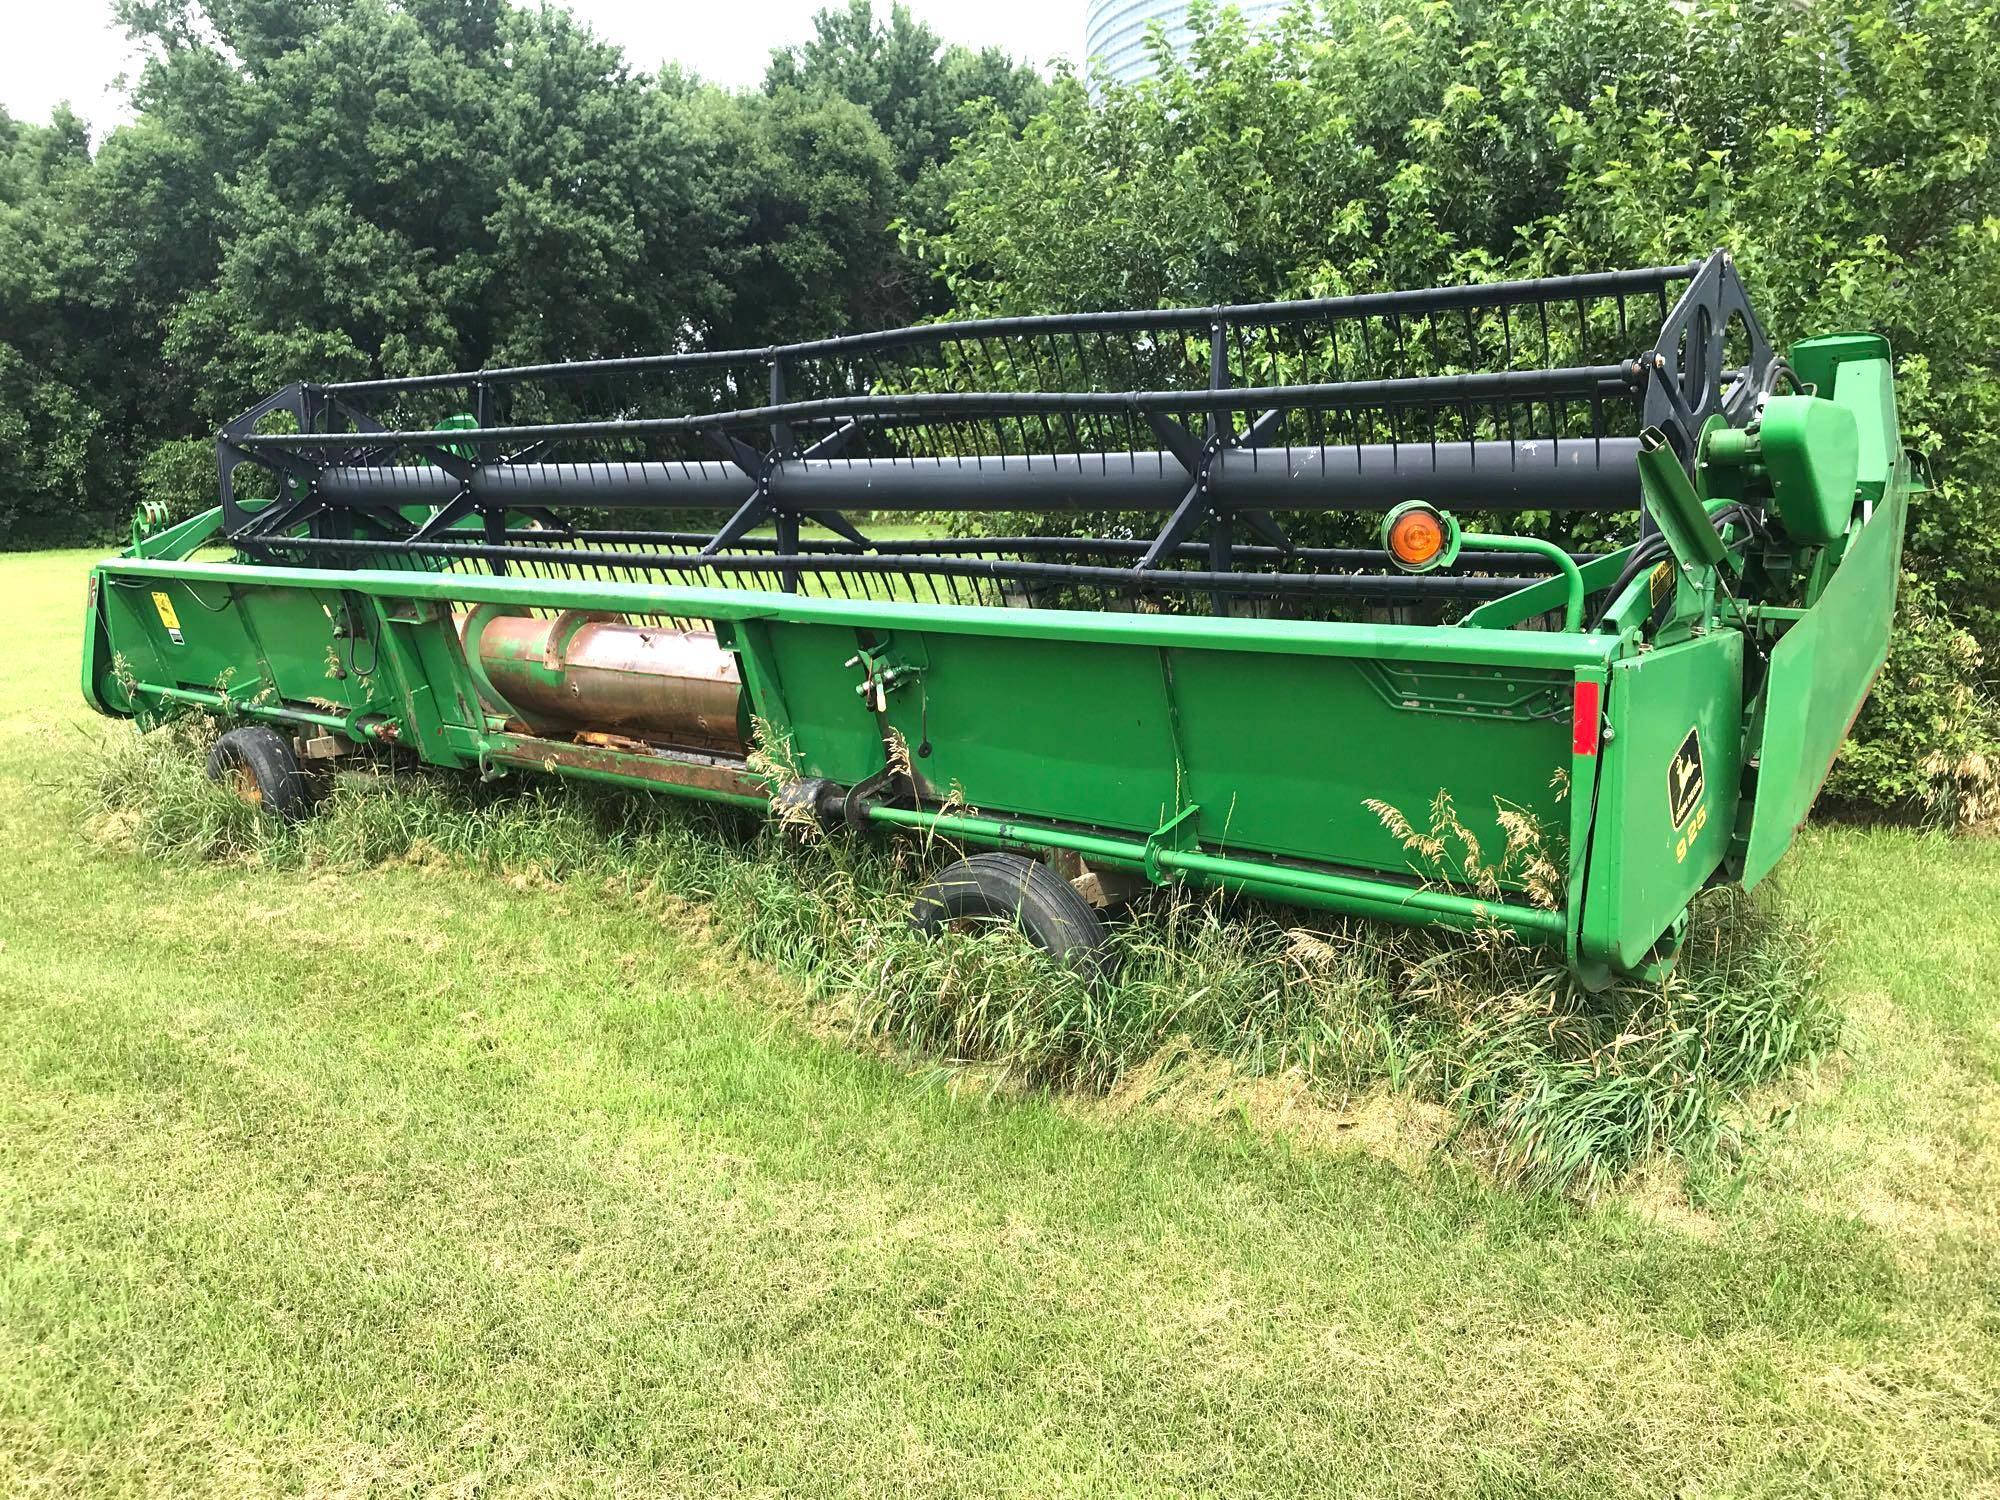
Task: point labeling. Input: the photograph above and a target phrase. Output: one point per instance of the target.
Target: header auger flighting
(499, 570)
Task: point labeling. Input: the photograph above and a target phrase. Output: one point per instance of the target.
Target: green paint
(1266, 756)
(1374, 898)
(1566, 569)
(1821, 670)
(1675, 505)
(1650, 855)
(1812, 449)
(1285, 637)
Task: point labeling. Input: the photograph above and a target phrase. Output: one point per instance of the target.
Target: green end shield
(1820, 675)
(1812, 449)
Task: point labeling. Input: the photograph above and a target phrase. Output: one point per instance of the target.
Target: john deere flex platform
(498, 571)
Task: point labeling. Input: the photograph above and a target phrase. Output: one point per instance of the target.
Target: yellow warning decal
(168, 618)
(1662, 582)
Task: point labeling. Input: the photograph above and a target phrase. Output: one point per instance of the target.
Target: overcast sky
(68, 49)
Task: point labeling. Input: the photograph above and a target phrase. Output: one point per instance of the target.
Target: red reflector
(1584, 741)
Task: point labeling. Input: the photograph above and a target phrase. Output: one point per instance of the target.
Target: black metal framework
(1508, 396)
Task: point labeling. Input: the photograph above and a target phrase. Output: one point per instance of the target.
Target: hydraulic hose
(1651, 549)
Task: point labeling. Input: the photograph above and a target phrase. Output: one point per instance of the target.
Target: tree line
(338, 188)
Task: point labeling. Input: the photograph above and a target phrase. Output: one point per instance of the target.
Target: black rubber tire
(1046, 906)
(262, 765)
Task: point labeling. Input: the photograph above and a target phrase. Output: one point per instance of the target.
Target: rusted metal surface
(601, 741)
(699, 773)
(586, 673)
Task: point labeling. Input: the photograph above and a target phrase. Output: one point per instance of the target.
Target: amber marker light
(1419, 537)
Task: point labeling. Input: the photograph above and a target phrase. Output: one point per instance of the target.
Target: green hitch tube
(1565, 564)
(1312, 887)
(202, 698)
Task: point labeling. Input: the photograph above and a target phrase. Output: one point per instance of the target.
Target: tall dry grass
(1555, 1086)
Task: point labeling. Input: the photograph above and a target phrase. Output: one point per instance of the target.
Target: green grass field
(370, 1181)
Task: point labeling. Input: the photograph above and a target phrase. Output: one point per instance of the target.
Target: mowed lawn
(378, 1181)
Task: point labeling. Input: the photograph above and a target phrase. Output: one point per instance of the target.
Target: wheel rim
(243, 781)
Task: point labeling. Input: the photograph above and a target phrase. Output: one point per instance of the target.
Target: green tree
(58, 392)
(913, 84)
(921, 95)
(813, 183)
(317, 189)
(419, 187)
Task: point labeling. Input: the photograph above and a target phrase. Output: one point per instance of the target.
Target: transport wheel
(259, 765)
(1022, 890)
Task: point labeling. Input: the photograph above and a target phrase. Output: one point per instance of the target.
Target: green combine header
(505, 571)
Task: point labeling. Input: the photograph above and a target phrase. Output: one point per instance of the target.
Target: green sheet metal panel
(1667, 792)
(101, 688)
(1280, 731)
(1854, 369)
(1281, 755)
(1821, 671)
(799, 686)
(1397, 643)
(139, 645)
(1811, 448)
(179, 634)
(237, 641)
(1866, 388)
(1038, 727)
(423, 680)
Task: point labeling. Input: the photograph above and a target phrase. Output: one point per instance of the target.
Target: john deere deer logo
(1684, 780)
